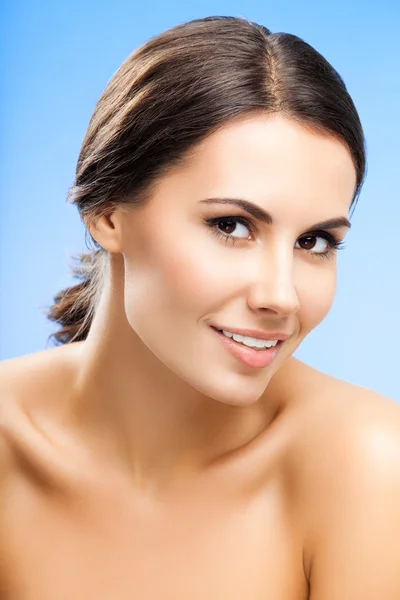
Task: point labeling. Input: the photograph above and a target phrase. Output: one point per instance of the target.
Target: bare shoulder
(348, 467)
(332, 414)
(39, 379)
(18, 379)
(332, 407)
(343, 428)
(14, 377)
(34, 377)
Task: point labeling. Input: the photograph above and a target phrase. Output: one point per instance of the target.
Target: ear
(107, 231)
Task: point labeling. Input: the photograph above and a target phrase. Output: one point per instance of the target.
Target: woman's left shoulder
(331, 405)
(369, 423)
(361, 411)
(336, 423)
(350, 484)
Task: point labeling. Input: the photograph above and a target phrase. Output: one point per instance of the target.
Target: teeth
(249, 341)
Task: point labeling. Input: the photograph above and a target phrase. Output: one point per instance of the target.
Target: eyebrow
(261, 215)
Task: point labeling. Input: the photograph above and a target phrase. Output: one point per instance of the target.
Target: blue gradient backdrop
(56, 58)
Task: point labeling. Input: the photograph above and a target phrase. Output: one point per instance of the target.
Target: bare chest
(105, 544)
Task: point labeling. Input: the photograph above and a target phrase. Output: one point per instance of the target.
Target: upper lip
(255, 333)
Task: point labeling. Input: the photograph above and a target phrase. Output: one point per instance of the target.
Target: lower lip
(257, 359)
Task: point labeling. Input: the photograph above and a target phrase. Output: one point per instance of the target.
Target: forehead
(273, 158)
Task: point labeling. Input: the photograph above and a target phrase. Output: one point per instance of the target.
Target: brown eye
(227, 226)
(308, 242)
(321, 244)
(230, 229)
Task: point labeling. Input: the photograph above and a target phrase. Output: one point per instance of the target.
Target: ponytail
(74, 306)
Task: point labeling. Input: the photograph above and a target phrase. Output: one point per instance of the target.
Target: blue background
(56, 58)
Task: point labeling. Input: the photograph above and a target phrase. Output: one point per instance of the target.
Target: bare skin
(75, 525)
(148, 461)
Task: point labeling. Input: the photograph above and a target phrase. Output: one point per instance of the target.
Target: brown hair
(170, 94)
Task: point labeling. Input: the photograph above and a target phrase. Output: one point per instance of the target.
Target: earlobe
(106, 231)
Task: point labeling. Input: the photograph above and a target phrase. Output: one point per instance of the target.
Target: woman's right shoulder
(21, 380)
(12, 375)
(26, 383)
(29, 379)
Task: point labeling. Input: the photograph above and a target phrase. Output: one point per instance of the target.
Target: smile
(253, 357)
(249, 341)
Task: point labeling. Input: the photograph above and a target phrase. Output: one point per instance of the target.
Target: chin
(236, 390)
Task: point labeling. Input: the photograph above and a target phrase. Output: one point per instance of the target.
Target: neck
(152, 420)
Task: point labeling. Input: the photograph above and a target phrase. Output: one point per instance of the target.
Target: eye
(310, 244)
(231, 226)
(226, 227)
(326, 248)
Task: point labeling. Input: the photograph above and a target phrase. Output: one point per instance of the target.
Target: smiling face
(190, 264)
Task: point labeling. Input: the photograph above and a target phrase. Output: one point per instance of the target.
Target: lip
(253, 358)
(255, 333)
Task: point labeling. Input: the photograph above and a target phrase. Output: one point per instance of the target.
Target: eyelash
(334, 243)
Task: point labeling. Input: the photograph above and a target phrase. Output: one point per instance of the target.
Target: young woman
(170, 446)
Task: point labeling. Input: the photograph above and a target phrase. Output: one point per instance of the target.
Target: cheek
(171, 273)
(316, 295)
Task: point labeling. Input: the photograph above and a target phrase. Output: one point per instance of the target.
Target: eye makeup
(334, 243)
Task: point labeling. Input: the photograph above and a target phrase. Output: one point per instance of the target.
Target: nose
(272, 288)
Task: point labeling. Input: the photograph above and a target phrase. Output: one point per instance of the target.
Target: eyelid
(239, 218)
(318, 232)
(334, 243)
(331, 235)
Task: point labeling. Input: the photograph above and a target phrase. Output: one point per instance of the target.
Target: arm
(356, 551)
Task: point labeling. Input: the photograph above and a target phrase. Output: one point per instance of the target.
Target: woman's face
(190, 264)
